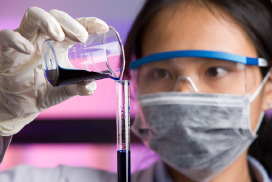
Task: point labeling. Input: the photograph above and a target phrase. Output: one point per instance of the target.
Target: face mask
(199, 135)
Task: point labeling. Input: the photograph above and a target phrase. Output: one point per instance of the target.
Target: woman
(199, 137)
(200, 95)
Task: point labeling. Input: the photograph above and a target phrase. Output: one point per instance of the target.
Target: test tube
(123, 130)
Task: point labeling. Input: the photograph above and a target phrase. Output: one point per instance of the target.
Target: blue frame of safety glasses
(200, 54)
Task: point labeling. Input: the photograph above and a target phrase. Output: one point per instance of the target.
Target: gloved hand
(24, 90)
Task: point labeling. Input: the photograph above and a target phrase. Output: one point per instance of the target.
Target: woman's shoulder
(156, 173)
(258, 170)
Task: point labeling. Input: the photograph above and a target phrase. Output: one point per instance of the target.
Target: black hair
(254, 16)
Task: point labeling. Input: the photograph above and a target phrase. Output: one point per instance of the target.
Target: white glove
(24, 90)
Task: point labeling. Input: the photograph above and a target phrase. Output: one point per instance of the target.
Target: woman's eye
(216, 72)
(156, 74)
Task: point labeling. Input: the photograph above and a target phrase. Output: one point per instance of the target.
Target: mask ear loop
(180, 78)
(259, 123)
(256, 93)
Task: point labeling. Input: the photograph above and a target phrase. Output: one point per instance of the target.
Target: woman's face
(192, 27)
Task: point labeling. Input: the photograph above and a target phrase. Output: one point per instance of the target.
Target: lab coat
(26, 173)
(155, 173)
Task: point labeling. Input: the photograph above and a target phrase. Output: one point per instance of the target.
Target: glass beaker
(101, 56)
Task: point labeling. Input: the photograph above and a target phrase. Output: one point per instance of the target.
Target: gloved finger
(60, 94)
(9, 38)
(93, 25)
(36, 19)
(83, 88)
(73, 29)
(56, 95)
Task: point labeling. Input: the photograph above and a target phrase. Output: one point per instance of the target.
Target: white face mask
(199, 135)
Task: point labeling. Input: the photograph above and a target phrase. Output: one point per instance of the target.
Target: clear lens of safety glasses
(202, 75)
(101, 56)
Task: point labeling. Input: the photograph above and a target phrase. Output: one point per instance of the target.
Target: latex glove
(24, 90)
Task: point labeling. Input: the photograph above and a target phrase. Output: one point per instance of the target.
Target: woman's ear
(267, 97)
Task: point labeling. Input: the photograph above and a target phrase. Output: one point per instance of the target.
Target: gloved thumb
(83, 88)
(93, 25)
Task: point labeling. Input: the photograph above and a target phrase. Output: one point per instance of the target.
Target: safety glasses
(196, 71)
